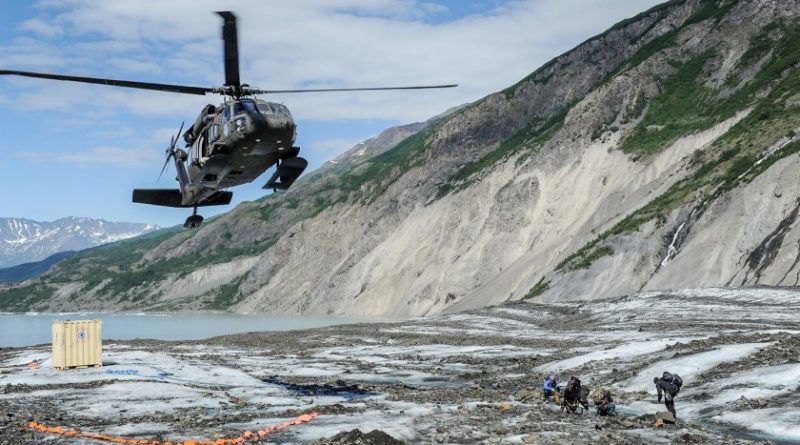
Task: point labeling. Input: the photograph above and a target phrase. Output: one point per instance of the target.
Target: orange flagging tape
(245, 437)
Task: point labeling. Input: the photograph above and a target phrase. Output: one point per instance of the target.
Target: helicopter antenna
(231, 49)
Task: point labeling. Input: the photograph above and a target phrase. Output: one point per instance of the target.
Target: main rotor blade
(325, 90)
(231, 48)
(113, 82)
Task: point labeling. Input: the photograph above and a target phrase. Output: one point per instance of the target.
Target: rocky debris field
(460, 378)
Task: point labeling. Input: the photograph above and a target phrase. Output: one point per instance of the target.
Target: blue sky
(78, 150)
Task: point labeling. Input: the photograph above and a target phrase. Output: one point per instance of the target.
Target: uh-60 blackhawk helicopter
(229, 144)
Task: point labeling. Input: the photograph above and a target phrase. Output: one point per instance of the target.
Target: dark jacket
(572, 392)
(668, 387)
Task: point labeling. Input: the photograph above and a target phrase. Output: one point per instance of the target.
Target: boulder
(525, 394)
(665, 417)
(531, 438)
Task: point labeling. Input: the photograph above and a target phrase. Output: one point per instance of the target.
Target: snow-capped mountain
(24, 240)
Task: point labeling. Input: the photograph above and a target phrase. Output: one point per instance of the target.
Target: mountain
(26, 271)
(660, 154)
(23, 240)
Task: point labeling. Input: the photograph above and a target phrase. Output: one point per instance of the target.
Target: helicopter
(229, 144)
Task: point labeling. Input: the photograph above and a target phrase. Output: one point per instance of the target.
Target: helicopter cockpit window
(272, 108)
(281, 109)
(244, 106)
(213, 133)
(264, 108)
(226, 114)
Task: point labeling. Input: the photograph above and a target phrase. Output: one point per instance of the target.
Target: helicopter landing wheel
(193, 221)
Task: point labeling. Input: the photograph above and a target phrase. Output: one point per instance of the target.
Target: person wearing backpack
(572, 395)
(604, 403)
(670, 384)
(659, 391)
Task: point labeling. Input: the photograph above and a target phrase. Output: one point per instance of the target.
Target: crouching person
(550, 389)
(604, 403)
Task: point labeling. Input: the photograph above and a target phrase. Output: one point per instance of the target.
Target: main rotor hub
(237, 91)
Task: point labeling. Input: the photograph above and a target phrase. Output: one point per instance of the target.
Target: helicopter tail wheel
(193, 221)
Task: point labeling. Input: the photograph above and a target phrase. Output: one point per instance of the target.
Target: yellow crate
(77, 344)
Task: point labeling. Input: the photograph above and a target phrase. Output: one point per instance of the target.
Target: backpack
(675, 379)
(573, 389)
(599, 396)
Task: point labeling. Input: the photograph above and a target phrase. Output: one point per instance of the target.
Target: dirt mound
(356, 437)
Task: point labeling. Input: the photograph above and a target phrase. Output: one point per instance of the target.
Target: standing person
(550, 387)
(572, 395)
(670, 384)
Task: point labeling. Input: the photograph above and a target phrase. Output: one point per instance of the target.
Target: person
(550, 387)
(604, 403)
(584, 400)
(656, 381)
(670, 384)
(572, 395)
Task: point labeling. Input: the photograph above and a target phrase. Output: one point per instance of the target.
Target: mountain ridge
(619, 166)
(24, 240)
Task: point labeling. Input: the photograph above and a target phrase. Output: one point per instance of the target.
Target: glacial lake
(33, 329)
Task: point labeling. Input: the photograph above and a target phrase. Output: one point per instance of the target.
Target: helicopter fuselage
(233, 144)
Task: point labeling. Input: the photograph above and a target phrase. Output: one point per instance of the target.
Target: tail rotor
(171, 151)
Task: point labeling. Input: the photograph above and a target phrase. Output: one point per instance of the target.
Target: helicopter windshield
(272, 108)
(244, 106)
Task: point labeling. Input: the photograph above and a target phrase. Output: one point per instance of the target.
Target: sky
(71, 149)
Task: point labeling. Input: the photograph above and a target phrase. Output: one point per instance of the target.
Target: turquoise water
(33, 329)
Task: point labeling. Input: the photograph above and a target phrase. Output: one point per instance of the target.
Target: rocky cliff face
(24, 240)
(660, 154)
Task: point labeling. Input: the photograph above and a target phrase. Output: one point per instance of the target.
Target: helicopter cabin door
(208, 137)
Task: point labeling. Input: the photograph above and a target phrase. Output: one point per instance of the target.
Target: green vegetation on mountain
(20, 299)
(773, 117)
(686, 104)
(539, 288)
(530, 138)
(373, 178)
(227, 295)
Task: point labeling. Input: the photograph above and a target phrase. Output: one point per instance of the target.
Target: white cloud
(38, 26)
(117, 156)
(134, 66)
(342, 43)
